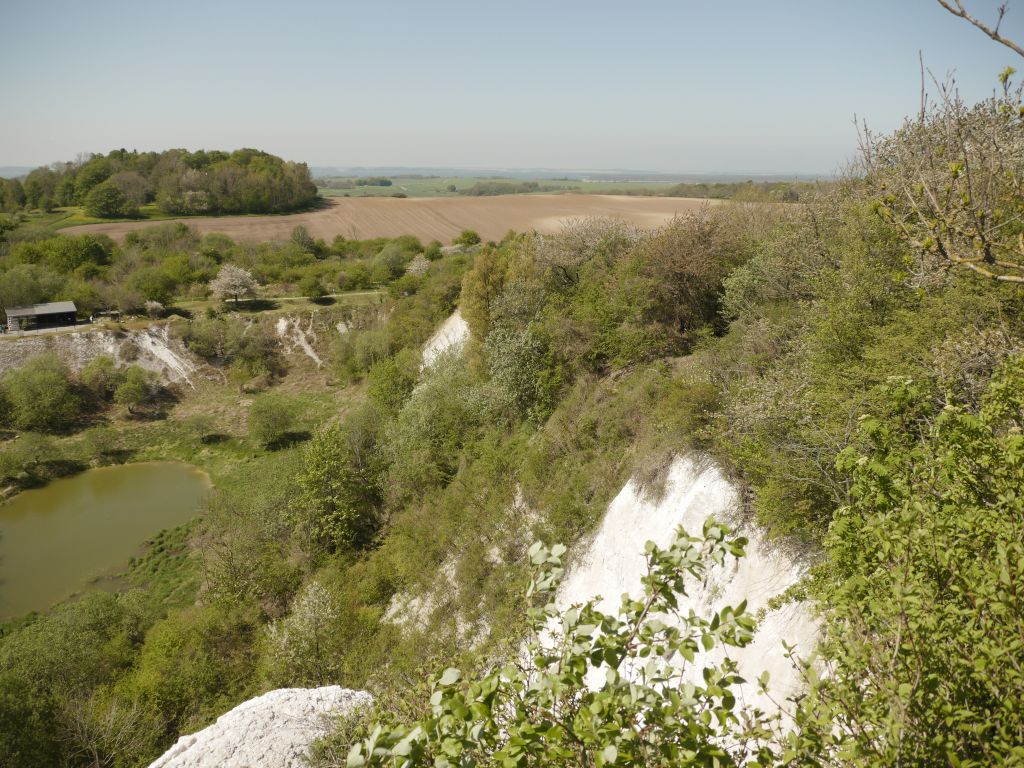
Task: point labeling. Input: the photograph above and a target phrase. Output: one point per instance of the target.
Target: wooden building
(52, 315)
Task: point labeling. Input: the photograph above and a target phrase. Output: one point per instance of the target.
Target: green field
(45, 222)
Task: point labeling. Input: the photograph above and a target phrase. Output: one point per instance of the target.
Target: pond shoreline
(65, 538)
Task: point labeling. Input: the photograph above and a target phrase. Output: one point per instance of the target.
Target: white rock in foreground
(450, 335)
(615, 563)
(274, 730)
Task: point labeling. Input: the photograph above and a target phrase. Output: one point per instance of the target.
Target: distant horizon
(626, 175)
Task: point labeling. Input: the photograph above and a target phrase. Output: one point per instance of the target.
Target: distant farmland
(430, 218)
(456, 186)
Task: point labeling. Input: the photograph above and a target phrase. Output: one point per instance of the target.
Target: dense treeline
(741, 191)
(177, 181)
(489, 188)
(166, 262)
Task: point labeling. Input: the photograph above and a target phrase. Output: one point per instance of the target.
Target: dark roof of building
(34, 310)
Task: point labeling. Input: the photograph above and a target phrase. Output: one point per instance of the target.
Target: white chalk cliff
(614, 563)
(451, 335)
(274, 730)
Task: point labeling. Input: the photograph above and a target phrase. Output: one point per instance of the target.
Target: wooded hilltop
(179, 182)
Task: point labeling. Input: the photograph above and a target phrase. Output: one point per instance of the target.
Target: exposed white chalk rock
(451, 335)
(294, 337)
(274, 730)
(156, 341)
(614, 563)
(152, 348)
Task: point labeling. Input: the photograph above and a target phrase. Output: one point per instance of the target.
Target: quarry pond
(58, 540)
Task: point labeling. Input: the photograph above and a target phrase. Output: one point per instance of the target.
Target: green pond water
(58, 540)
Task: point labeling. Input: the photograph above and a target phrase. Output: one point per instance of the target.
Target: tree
(108, 201)
(419, 266)
(467, 237)
(339, 486)
(137, 387)
(233, 282)
(950, 180)
(311, 287)
(28, 284)
(134, 185)
(300, 644)
(301, 237)
(41, 395)
(93, 173)
(12, 195)
(271, 418)
(40, 184)
(100, 377)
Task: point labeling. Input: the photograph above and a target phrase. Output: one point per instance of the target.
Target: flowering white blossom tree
(233, 282)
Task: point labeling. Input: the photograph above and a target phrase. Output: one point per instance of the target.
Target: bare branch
(957, 9)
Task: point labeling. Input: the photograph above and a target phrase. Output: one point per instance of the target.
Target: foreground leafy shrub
(596, 689)
(927, 563)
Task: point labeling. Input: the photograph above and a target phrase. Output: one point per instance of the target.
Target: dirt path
(430, 218)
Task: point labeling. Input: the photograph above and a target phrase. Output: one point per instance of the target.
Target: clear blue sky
(673, 85)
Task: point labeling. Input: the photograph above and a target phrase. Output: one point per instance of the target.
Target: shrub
(299, 644)
(311, 287)
(442, 415)
(391, 380)
(138, 387)
(433, 250)
(339, 491)
(100, 377)
(527, 374)
(193, 665)
(467, 237)
(271, 418)
(40, 395)
(922, 586)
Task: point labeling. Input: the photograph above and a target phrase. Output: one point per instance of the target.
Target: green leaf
(450, 677)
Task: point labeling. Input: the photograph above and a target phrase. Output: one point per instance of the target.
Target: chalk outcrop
(274, 730)
(614, 563)
(151, 348)
(450, 336)
(294, 337)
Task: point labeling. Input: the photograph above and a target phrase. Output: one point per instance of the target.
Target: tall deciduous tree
(339, 487)
(108, 201)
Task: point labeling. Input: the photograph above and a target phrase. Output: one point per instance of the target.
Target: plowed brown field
(429, 218)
